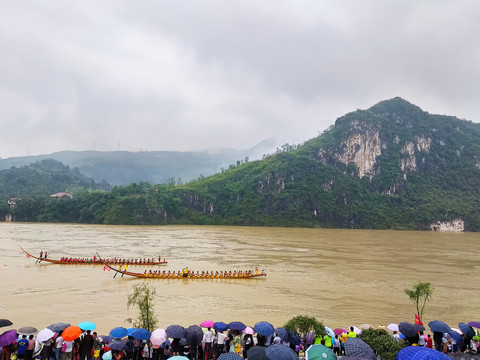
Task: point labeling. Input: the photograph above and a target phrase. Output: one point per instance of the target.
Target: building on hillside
(61, 195)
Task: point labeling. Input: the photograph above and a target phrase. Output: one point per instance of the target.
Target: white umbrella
(158, 337)
(366, 326)
(45, 334)
(392, 327)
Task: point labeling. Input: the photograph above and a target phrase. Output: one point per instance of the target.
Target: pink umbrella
(248, 330)
(158, 337)
(44, 335)
(207, 324)
(339, 331)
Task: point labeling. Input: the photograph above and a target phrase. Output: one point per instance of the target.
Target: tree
(420, 293)
(302, 325)
(143, 297)
(382, 343)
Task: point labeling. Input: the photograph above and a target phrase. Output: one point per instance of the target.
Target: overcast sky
(187, 75)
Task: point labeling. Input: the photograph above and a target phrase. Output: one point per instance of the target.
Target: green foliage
(420, 293)
(302, 325)
(382, 343)
(143, 297)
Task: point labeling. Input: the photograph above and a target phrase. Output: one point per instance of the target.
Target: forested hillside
(392, 166)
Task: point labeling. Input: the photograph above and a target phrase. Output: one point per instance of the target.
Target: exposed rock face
(362, 148)
(456, 225)
(409, 162)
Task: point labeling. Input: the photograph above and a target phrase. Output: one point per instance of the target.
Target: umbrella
(366, 326)
(357, 347)
(117, 345)
(207, 323)
(420, 353)
(175, 331)
(455, 336)
(256, 353)
(5, 322)
(141, 334)
(339, 331)
(220, 326)
(392, 327)
(280, 352)
(329, 332)
(118, 332)
(248, 330)
(8, 337)
(264, 328)
(178, 357)
(27, 330)
(130, 331)
(320, 352)
(107, 355)
(70, 333)
(283, 334)
(294, 338)
(158, 337)
(439, 326)
(466, 329)
(236, 325)
(475, 324)
(229, 356)
(194, 335)
(407, 329)
(87, 325)
(58, 326)
(104, 339)
(44, 335)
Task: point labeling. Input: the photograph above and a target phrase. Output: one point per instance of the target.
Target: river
(340, 277)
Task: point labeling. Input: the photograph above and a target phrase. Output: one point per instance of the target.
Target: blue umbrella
(420, 353)
(141, 334)
(87, 325)
(175, 331)
(456, 336)
(264, 328)
(236, 325)
(130, 331)
(358, 347)
(230, 356)
(220, 326)
(329, 332)
(117, 345)
(439, 326)
(466, 329)
(280, 352)
(118, 332)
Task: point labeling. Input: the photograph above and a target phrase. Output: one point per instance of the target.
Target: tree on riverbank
(382, 343)
(143, 296)
(420, 293)
(302, 325)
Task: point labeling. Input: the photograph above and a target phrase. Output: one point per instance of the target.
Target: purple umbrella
(475, 324)
(8, 337)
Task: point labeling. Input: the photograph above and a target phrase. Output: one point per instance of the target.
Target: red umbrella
(339, 331)
(71, 333)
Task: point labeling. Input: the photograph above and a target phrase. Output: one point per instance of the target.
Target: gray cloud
(175, 75)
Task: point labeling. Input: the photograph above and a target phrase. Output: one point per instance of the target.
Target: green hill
(392, 166)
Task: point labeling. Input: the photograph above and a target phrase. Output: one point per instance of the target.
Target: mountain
(392, 166)
(156, 167)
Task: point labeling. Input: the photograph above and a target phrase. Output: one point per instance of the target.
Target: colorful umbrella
(280, 352)
(339, 331)
(118, 332)
(158, 337)
(420, 353)
(207, 324)
(8, 337)
(44, 335)
(71, 333)
(264, 328)
(248, 330)
(320, 352)
(87, 325)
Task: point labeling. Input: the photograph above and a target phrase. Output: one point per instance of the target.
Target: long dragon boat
(187, 274)
(95, 260)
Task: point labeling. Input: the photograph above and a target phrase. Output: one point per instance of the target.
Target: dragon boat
(95, 260)
(186, 275)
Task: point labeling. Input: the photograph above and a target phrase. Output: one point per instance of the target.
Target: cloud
(176, 75)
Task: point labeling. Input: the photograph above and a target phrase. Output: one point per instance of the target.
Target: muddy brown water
(341, 277)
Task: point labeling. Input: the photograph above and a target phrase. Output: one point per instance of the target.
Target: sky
(188, 75)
